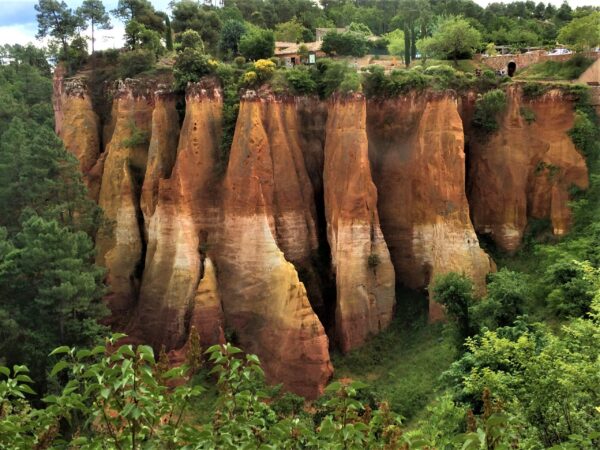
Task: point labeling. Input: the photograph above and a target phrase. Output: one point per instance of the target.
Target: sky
(18, 24)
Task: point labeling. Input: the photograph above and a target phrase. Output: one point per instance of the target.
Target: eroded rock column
(525, 169)
(268, 218)
(182, 217)
(360, 257)
(119, 241)
(78, 125)
(417, 149)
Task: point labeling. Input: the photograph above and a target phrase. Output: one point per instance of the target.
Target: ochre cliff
(269, 221)
(416, 145)
(78, 126)
(162, 150)
(323, 209)
(119, 242)
(525, 169)
(182, 217)
(360, 257)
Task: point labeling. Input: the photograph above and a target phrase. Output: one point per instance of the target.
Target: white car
(560, 51)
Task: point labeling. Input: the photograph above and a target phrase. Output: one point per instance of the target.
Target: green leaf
(61, 365)
(5, 371)
(27, 389)
(98, 349)
(333, 387)
(59, 350)
(83, 354)
(24, 378)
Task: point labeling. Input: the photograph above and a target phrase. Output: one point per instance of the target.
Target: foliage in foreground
(123, 398)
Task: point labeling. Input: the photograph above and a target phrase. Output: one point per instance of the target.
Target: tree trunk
(92, 36)
(406, 46)
(413, 43)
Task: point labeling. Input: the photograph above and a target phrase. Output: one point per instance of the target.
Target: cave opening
(511, 68)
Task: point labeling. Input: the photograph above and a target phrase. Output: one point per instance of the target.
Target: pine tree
(94, 12)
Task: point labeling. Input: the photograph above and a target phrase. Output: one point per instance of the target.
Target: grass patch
(462, 65)
(557, 70)
(401, 365)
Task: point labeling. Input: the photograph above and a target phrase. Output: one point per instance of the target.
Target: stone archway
(511, 68)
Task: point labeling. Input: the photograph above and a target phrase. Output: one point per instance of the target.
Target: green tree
(59, 304)
(487, 109)
(257, 44)
(455, 293)
(507, 294)
(583, 32)
(93, 11)
(189, 15)
(142, 12)
(56, 19)
(191, 63)
(231, 34)
(291, 31)
(396, 42)
(168, 34)
(454, 38)
(361, 28)
(138, 36)
(348, 43)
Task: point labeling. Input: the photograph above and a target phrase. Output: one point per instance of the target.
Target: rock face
(286, 248)
(360, 257)
(162, 150)
(417, 149)
(525, 170)
(181, 213)
(119, 242)
(268, 219)
(78, 125)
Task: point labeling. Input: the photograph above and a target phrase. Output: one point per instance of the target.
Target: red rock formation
(525, 169)
(361, 260)
(417, 148)
(182, 216)
(77, 124)
(268, 216)
(162, 150)
(119, 241)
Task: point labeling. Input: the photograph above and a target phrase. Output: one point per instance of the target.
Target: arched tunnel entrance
(511, 68)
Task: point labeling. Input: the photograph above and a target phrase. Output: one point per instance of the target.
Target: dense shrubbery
(557, 70)
(487, 109)
(50, 289)
(300, 81)
(345, 44)
(134, 62)
(257, 44)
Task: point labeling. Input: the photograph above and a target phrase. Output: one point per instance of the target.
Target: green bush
(584, 132)
(137, 136)
(569, 292)
(558, 70)
(528, 114)
(300, 81)
(239, 61)
(190, 66)
(373, 261)
(135, 62)
(378, 84)
(534, 90)
(455, 293)
(257, 44)
(190, 39)
(487, 109)
(508, 293)
(345, 44)
(336, 77)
